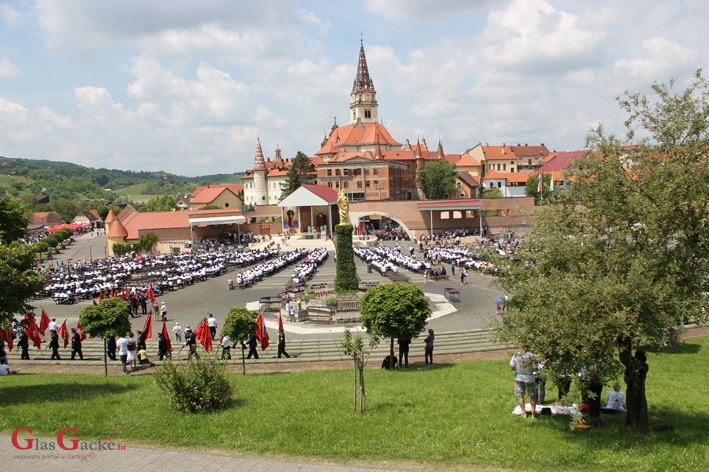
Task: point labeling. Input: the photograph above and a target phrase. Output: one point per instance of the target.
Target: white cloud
(11, 16)
(8, 69)
(425, 10)
(663, 56)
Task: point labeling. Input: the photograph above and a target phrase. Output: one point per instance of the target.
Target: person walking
(429, 346)
(132, 347)
(76, 344)
(24, 344)
(177, 329)
(162, 347)
(282, 344)
(163, 311)
(404, 352)
(212, 324)
(122, 345)
(252, 342)
(54, 346)
(226, 347)
(111, 348)
(524, 365)
(191, 343)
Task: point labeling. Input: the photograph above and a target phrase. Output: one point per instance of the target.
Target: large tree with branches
(620, 261)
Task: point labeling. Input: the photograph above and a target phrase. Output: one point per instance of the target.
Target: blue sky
(187, 86)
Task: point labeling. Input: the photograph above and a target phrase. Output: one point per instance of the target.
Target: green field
(133, 190)
(451, 416)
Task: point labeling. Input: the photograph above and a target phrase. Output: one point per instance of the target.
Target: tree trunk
(243, 360)
(391, 354)
(635, 373)
(105, 357)
(355, 385)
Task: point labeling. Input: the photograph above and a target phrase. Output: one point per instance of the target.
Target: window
(376, 171)
(504, 166)
(367, 113)
(366, 171)
(366, 183)
(346, 184)
(337, 184)
(359, 184)
(498, 166)
(499, 184)
(329, 172)
(492, 184)
(529, 161)
(329, 184)
(376, 184)
(337, 172)
(263, 198)
(462, 195)
(357, 171)
(459, 185)
(512, 170)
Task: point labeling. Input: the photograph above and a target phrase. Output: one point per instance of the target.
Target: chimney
(542, 144)
(519, 144)
(268, 159)
(525, 144)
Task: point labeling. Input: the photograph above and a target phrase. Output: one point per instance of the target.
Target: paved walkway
(140, 459)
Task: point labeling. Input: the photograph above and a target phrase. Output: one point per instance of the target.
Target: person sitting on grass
(615, 398)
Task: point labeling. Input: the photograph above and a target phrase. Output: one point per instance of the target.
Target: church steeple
(259, 163)
(363, 97)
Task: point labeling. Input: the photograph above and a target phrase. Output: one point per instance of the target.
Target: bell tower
(363, 99)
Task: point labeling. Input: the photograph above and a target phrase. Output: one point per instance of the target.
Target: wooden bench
(452, 294)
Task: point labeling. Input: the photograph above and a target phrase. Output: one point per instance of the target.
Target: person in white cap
(163, 311)
(177, 329)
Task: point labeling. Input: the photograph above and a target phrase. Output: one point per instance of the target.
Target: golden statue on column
(344, 205)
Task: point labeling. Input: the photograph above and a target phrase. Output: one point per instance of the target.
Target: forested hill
(64, 180)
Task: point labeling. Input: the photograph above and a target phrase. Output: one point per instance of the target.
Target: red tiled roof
(96, 215)
(496, 153)
(323, 191)
(208, 195)
(467, 161)
(469, 179)
(45, 218)
(117, 230)
(493, 174)
(530, 151)
(110, 217)
(358, 134)
(561, 160)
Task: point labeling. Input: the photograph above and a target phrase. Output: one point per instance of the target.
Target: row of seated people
(170, 271)
(268, 268)
(381, 264)
(306, 269)
(461, 255)
(395, 256)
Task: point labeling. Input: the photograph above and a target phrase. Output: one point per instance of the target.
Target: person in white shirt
(53, 325)
(163, 311)
(122, 345)
(212, 323)
(525, 366)
(226, 347)
(615, 399)
(177, 329)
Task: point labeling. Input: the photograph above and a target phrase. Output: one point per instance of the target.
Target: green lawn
(133, 190)
(452, 416)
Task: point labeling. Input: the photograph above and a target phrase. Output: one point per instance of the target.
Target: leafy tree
(395, 310)
(14, 218)
(300, 172)
(108, 319)
(345, 271)
(355, 348)
(437, 178)
(19, 282)
(66, 209)
(147, 242)
(532, 187)
(161, 203)
(620, 262)
(239, 324)
(492, 193)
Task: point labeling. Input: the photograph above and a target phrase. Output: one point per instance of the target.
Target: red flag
(64, 334)
(203, 335)
(166, 335)
(33, 334)
(43, 322)
(148, 327)
(100, 296)
(112, 293)
(8, 336)
(151, 294)
(94, 300)
(261, 333)
(81, 332)
(280, 321)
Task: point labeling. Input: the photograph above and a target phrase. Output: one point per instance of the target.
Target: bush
(201, 386)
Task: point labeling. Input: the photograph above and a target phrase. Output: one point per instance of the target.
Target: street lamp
(91, 256)
(105, 254)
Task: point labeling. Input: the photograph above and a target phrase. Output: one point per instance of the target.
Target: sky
(188, 87)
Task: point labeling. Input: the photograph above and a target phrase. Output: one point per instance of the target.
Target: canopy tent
(71, 226)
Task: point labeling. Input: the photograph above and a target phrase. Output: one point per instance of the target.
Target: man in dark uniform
(252, 342)
(24, 344)
(54, 344)
(191, 343)
(111, 348)
(75, 344)
(143, 303)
